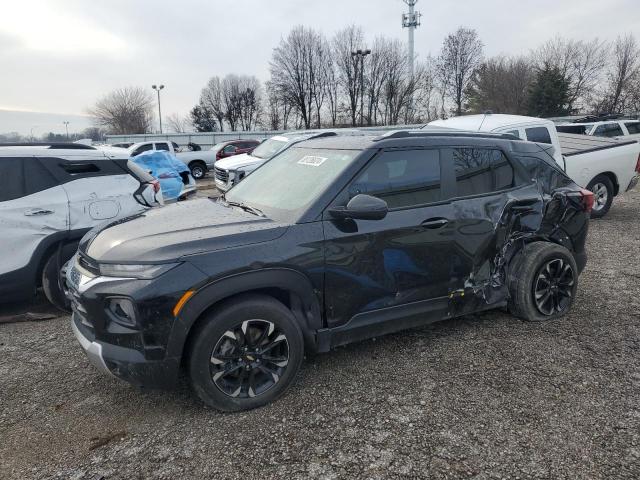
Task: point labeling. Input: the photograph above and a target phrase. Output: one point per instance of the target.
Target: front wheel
(603, 192)
(543, 280)
(245, 354)
(51, 284)
(198, 170)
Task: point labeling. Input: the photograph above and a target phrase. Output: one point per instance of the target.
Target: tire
(198, 170)
(542, 280)
(257, 376)
(51, 284)
(603, 192)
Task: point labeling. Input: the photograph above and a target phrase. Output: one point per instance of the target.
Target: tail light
(638, 164)
(156, 185)
(587, 199)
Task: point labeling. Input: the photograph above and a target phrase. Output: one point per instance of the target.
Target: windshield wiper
(246, 208)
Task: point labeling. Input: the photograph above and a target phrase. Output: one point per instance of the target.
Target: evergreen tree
(549, 95)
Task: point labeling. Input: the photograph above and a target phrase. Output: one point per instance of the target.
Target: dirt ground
(481, 397)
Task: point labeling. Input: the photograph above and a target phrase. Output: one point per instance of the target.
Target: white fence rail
(208, 139)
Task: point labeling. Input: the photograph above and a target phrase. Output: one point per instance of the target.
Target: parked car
(620, 129)
(230, 171)
(334, 240)
(50, 196)
(174, 176)
(604, 166)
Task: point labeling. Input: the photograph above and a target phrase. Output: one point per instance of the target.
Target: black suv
(332, 241)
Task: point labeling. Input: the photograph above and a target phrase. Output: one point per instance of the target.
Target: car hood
(237, 161)
(169, 233)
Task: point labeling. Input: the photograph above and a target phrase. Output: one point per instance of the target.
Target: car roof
(487, 122)
(64, 150)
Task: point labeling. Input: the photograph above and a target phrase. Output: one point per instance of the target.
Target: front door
(407, 258)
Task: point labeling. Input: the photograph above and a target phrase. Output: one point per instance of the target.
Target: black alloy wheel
(553, 287)
(249, 359)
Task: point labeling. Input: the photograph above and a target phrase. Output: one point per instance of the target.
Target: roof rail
(441, 132)
(322, 135)
(51, 146)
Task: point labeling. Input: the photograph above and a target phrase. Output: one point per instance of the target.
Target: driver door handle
(433, 223)
(37, 211)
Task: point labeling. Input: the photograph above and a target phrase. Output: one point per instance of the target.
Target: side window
(481, 170)
(515, 133)
(162, 146)
(11, 179)
(401, 178)
(230, 149)
(142, 148)
(633, 127)
(36, 177)
(538, 134)
(608, 130)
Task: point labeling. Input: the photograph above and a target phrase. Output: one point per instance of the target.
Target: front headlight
(144, 272)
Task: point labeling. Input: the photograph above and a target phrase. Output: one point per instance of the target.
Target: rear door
(98, 189)
(492, 200)
(406, 260)
(33, 207)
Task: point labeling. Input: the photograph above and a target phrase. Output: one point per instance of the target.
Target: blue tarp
(166, 168)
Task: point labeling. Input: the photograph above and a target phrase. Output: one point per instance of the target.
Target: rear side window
(162, 146)
(545, 173)
(142, 148)
(515, 133)
(633, 127)
(608, 130)
(480, 171)
(538, 135)
(11, 179)
(401, 178)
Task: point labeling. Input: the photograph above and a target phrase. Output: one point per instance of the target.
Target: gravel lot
(479, 397)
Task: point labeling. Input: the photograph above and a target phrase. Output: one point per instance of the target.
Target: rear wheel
(543, 280)
(246, 353)
(603, 192)
(198, 169)
(51, 284)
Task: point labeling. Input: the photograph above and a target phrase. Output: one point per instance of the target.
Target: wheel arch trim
(288, 280)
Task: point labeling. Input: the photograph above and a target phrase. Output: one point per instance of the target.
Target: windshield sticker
(312, 160)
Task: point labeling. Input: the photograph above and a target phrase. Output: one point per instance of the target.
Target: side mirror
(362, 207)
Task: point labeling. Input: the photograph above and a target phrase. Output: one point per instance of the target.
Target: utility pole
(411, 21)
(66, 127)
(157, 88)
(360, 54)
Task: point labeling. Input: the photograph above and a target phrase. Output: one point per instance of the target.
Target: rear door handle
(38, 211)
(434, 223)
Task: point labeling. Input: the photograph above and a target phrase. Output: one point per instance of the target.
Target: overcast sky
(59, 56)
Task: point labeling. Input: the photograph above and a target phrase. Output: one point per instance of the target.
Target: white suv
(50, 196)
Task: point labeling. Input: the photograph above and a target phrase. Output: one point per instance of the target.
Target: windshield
(269, 148)
(218, 146)
(288, 184)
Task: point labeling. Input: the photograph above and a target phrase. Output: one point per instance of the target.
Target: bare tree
(398, 88)
(296, 70)
(211, 100)
(126, 110)
(623, 73)
(581, 63)
(501, 84)
(177, 123)
(344, 42)
(461, 55)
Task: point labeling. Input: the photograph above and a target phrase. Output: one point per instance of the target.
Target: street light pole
(360, 54)
(66, 126)
(157, 88)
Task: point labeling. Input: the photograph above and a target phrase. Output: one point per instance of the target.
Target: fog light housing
(123, 311)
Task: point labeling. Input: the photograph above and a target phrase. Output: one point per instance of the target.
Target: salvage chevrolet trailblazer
(332, 241)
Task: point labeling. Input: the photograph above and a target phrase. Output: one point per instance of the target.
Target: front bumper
(139, 350)
(633, 182)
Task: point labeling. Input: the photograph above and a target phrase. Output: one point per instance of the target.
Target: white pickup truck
(198, 161)
(602, 165)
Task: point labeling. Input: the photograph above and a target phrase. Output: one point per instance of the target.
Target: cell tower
(411, 21)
